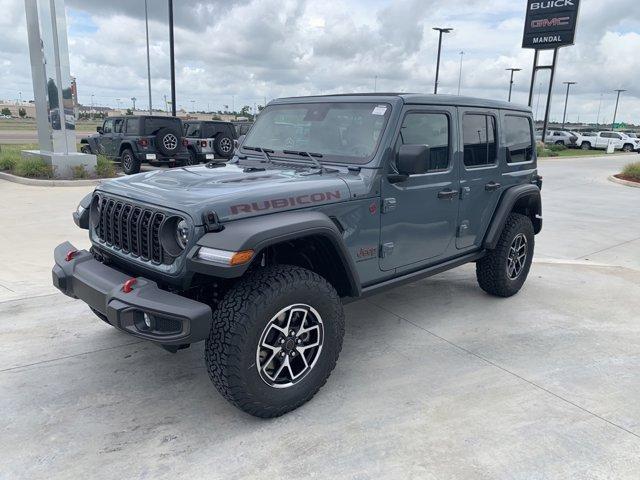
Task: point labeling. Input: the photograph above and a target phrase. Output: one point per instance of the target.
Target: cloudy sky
(243, 51)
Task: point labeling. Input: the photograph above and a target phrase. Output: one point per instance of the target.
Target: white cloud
(251, 49)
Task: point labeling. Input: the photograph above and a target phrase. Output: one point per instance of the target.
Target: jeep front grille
(132, 229)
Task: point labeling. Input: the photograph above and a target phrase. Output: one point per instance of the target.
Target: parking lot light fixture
(566, 101)
(441, 31)
(512, 70)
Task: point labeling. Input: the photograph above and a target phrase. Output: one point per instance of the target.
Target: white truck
(602, 140)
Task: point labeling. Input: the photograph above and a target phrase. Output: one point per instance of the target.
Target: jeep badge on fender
(326, 200)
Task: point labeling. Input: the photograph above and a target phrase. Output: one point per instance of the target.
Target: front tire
(86, 149)
(503, 271)
(275, 339)
(627, 148)
(585, 146)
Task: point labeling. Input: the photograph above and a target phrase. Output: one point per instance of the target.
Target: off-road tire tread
(229, 328)
(489, 270)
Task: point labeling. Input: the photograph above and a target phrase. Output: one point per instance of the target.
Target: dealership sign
(550, 23)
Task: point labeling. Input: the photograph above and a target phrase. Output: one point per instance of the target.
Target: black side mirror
(413, 159)
(99, 130)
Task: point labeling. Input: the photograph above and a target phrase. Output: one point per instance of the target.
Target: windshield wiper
(313, 156)
(264, 151)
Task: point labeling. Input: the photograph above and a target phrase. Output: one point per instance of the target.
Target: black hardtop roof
(408, 99)
(143, 117)
(207, 121)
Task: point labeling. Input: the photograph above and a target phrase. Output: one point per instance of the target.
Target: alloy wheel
(226, 145)
(170, 141)
(290, 346)
(517, 256)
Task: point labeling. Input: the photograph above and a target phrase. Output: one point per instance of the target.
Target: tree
(22, 112)
(260, 108)
(245, 111)
(6, 111)
(129, 111)
(216, 117)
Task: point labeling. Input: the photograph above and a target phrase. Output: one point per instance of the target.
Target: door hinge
(389, 205)
(387, 249)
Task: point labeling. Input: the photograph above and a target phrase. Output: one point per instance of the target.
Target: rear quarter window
(519, 139)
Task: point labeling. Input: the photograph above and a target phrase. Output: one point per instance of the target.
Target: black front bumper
(175, 320)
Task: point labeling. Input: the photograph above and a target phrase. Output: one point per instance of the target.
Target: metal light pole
(146, 24)
(512, 70)
(566, 101)
(615, 113)
(441, 30)
(173, 60)
(375, 83)
(460, 75)
(133, 100)
(599, 107)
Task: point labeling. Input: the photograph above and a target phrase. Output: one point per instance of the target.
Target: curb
(35, 182)
(624, 182)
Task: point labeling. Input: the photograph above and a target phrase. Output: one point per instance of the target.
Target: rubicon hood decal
(289, 202)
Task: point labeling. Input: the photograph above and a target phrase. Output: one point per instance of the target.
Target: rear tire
(560, 142)
(85, 148)
(193, 159)
(627, 148)
(130, 164)
(585, 146)
(252, 351)
(503, 271)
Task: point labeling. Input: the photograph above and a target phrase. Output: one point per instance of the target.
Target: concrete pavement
(436, 379)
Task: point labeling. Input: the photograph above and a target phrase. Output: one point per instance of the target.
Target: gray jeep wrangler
(327, 200)
(135, 140)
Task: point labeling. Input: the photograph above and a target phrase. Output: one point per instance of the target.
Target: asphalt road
(436, 379)
(18, 137)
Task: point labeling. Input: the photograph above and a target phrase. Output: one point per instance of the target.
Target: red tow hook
(70, 255)
(128, 285)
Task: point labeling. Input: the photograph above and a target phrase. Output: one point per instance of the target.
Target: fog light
(147, 320)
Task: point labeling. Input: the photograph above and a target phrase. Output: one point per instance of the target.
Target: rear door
(480, 186)
(419, 215)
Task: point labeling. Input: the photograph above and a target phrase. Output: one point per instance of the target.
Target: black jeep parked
(133, 140)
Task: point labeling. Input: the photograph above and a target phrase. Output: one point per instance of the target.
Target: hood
(232, 191)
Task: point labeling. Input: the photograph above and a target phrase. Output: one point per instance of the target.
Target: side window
(479, 133)
(133, 126)
(430, 129)
(617, 136)
(108, 126)
(519, 139)
(117, 125)
(193, 130)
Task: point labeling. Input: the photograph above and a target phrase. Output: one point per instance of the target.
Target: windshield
(343, 132)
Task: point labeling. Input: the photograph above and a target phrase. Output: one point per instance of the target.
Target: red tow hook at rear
(70, 255)
(128, 285)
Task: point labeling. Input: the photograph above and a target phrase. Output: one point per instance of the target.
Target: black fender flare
(128, 145)
(259, 233)
(521, 195)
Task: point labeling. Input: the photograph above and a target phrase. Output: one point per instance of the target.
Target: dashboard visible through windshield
(340, 132)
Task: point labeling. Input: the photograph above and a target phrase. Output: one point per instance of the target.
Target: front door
(480, 175)
(106, 138)
(419, 215)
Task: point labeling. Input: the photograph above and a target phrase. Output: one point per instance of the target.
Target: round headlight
(182, 234)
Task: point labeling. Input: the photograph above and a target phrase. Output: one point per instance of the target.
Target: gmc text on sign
(550, 23)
